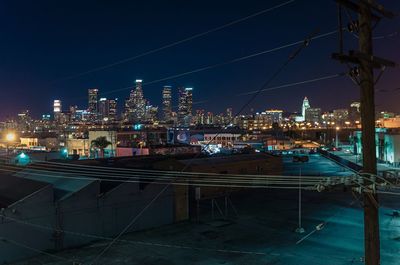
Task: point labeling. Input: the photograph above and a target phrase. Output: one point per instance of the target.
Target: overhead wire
(158, 173)
(321, 78)
(192, 37)
(13, 242)
(209, 183)
(239, 59)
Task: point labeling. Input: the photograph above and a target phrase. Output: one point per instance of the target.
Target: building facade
(185, 106)
(167, 103)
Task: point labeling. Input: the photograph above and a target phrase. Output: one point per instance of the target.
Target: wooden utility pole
(371, 206)
(364, 76)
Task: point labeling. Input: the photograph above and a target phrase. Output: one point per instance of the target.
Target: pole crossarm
(355, 57)
(380, 9)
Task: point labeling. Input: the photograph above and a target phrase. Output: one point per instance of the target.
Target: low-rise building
(78, 146)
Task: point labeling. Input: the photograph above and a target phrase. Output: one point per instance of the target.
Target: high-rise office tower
(167, 103)
(229, 116)
(107, 109)
(93, 104)
(112, 109)
(135, 105)
(275, 116)
(57, 108)
(93, 94)
(103, 109)
(185, 106)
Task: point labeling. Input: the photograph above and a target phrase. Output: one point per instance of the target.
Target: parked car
(312, 151)
(301, 158)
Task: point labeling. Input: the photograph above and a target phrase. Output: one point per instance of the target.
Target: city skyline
(31, 77)
(199, 132)
(95, 98)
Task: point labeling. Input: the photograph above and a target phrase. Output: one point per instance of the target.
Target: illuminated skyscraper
(112, 109)
(103, 109)
(167, 103)
(107, 109)
(57, 107)
(275, 116)
(229, 116)
(185, 106)
(135, 105)
(93, 94)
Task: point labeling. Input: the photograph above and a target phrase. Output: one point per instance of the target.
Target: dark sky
(42, 42)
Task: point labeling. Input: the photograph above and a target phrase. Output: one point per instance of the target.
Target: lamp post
(10, 137)
(300, 229)
(337, 138)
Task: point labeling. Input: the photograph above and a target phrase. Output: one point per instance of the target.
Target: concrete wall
(124, 202)
(85, 212)
(37, 209)
(106, 215)
(78, 213)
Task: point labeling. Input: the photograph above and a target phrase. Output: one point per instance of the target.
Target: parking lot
(316, 166)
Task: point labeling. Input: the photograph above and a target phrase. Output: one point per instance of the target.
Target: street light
(10, 137)
(300, 229)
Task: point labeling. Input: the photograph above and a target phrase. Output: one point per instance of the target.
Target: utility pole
(371, 206)
(363, 75)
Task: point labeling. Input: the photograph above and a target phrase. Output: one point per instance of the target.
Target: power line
(129, 241)
(326, 77)
(201, 69)
(13, 242)
(175, 181)
(177, 42)
(157, 173)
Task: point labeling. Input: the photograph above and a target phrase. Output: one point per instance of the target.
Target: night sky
(45, 42)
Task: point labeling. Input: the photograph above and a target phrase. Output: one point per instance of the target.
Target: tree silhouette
(100, 143)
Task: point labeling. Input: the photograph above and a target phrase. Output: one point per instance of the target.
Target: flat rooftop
(262, 232)
(63, 185)
(13, 189)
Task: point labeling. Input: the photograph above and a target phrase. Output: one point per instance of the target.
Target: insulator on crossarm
(320, 187)
(357, 189)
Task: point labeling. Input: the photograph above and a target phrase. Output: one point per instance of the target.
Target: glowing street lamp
(10, 137)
